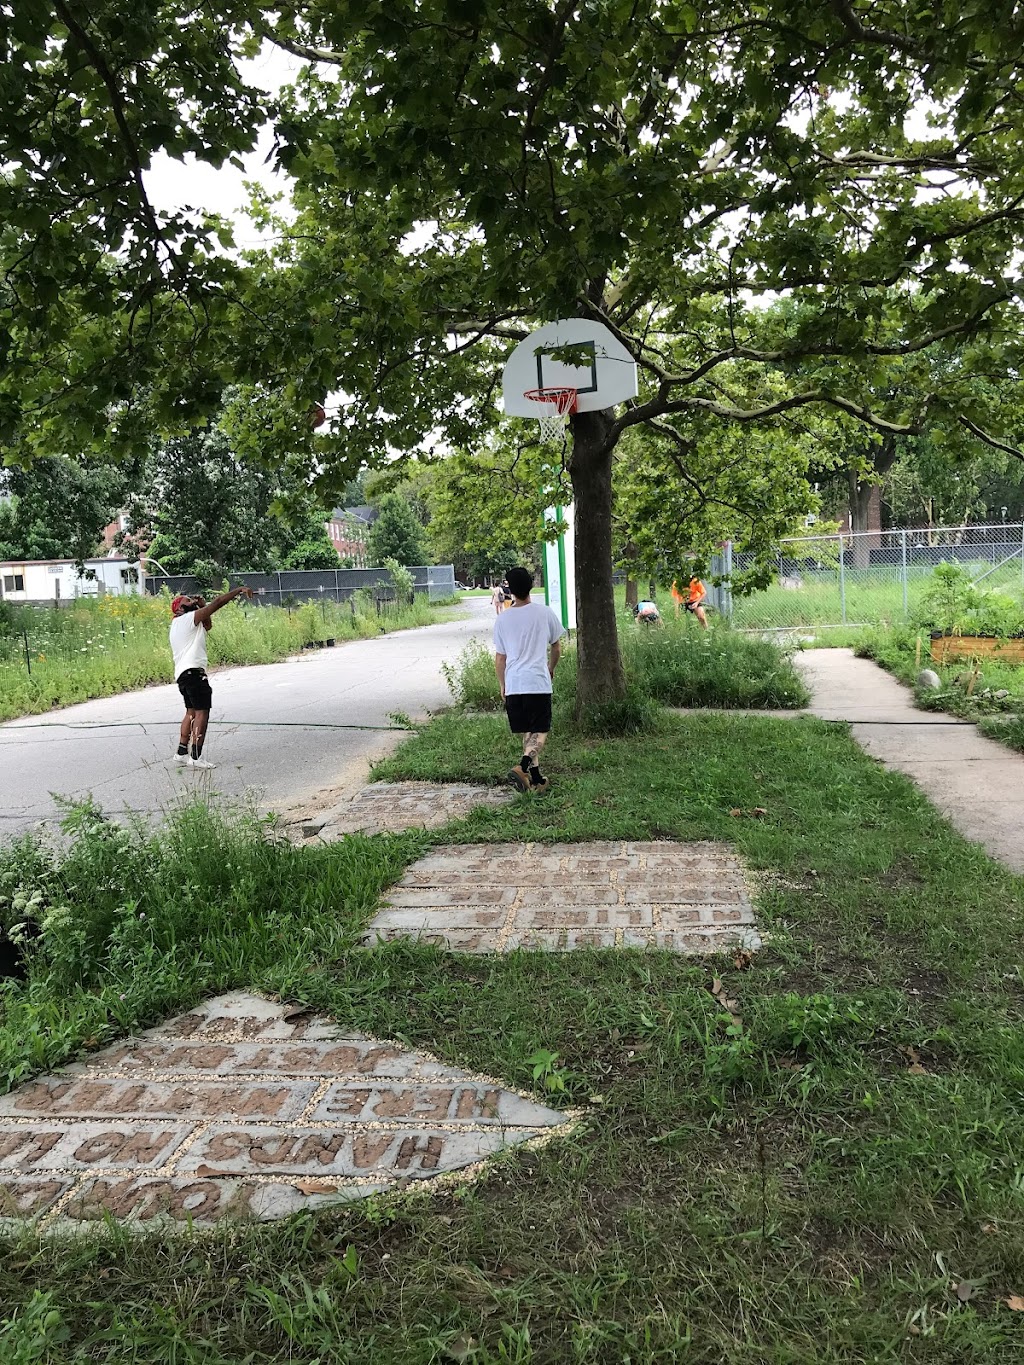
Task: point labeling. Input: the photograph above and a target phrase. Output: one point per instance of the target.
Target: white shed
(48, 580)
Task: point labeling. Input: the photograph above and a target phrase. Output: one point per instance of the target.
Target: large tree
(57, 508)
(466, 170)
(211, 515)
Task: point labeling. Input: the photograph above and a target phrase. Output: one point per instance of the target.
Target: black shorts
(692, 606)
(529, 713)
(195, 687)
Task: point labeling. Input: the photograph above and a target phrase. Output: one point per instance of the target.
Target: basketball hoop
(557, 405)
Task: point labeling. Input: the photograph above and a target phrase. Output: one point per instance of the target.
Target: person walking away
(695, 601)
(497, 598)
(527, 647)
(192, 619)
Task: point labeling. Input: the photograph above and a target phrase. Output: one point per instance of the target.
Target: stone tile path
(977, 783)
(388, 807)
(491, 898)
(242, 1108)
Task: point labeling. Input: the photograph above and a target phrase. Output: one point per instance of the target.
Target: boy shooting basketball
(192, 619)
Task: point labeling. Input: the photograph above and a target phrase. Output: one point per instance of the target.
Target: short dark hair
(521, 582)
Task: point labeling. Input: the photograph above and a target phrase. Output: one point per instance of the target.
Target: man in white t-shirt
(526, 652)
(192, 615)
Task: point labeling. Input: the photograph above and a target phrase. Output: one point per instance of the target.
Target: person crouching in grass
(526, 652)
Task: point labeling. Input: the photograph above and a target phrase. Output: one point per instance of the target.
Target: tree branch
(118, 109)
(989, 440)
(843, 10)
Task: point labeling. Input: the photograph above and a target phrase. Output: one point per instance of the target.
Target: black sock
(525, 763)
(536, 776)
(182, 750)
(197, 750)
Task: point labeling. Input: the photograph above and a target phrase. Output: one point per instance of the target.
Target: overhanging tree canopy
(653, 165)
(661, 170)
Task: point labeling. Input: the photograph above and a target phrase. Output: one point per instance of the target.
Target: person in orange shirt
(694, 600)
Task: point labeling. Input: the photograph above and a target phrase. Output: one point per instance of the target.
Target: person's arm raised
(203, 614)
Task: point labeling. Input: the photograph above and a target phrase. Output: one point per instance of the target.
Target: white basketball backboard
(602, 371)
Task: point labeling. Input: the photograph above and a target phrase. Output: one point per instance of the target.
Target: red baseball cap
(177, 601)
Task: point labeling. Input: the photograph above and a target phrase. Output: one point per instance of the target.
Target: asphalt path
(277, 732)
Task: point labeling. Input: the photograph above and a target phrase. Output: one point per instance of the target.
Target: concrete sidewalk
(976, 783)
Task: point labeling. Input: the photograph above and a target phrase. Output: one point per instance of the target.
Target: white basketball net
(554, 407)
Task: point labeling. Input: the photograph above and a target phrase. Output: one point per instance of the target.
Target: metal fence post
(903, 550)
(727, 595)
(842, 579)
(28, 657)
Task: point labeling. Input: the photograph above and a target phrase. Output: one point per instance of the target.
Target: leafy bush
(676, 665)
(401, 579)
(953, 604)
(472, 680)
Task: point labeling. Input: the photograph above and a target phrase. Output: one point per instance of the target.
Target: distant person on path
(526, 652)
(192, 619)
(497, 598)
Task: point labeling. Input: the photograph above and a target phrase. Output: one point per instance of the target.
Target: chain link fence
(290, 588)
(868, 577)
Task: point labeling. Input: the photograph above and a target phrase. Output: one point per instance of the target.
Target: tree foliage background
(463, 172)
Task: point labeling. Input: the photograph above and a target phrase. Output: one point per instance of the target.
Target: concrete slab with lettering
(388, 807)
(493, 898)
(244, 1108)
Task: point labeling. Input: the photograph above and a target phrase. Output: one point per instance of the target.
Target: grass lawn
(873, 595)
(115, 644)
(838, 1179)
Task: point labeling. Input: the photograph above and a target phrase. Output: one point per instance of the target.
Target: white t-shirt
(523, 635)
(188, 643)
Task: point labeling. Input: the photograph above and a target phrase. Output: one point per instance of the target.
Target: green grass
(675, 664)
(115, 644)
(874, 596)
(801, 1192)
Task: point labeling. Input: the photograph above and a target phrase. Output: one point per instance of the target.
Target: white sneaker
(180, 758)
(200, 763)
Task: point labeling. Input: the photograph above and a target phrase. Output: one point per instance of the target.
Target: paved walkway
(975, 782)
(482, 898)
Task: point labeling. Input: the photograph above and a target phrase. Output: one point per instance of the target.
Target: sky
(196, 184)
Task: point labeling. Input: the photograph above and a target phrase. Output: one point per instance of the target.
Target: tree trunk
(600, 677)
(632, 587)
(860, 500)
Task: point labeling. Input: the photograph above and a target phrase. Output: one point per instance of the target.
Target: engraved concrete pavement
(492, 898)
(245, 1109)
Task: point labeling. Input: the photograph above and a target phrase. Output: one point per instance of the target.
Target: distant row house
(349, 529)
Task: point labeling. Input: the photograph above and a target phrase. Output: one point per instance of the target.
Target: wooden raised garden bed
(953, 648)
